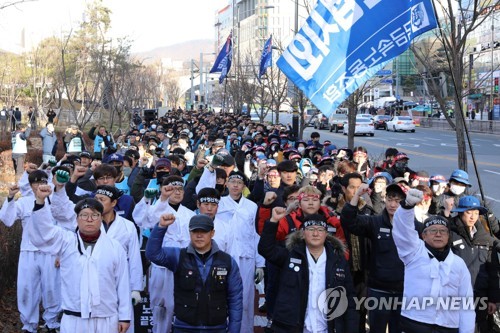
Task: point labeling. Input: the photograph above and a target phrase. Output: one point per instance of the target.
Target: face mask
(160, 175)
(457, 189)
(301, 149)
(400, 166)
(219, 188)
(435, 188)
(118, 168)
(127, 171)
(378, 187)
(306, 169)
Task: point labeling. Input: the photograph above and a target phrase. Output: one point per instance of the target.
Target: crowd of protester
(219, 204)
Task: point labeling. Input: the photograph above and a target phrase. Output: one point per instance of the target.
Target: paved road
(434, 151)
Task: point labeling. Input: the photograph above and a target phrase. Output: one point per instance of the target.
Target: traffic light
(496, 85)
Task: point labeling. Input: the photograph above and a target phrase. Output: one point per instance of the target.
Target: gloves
(413, 197)
(136, 297)
(52, 162)
(62, 176)
(259, 274)
(150, 193)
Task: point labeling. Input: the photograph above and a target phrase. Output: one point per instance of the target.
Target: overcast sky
(150, 23)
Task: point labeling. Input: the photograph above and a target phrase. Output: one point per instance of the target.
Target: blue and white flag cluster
(223, 62)
(344, 43)
(266, 59)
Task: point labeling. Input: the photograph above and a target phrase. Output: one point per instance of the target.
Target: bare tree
(456, 24)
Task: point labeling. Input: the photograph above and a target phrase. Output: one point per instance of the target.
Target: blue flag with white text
(266, 59)
(344, 43)
(222, 64)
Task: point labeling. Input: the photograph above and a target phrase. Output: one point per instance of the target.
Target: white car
(364, 126)
(364, 115)
(401, 123)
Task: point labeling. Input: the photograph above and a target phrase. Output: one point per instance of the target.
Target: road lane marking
(496, 173)
(490, 198)
(437, 157)
(402, 144)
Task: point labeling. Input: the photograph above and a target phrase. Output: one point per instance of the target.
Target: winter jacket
(291, 302)
(99, 140)
(477, 252)
(169, 257)
(49, 140)
(386, 270)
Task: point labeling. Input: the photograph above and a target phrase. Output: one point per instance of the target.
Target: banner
(266, 59)
(223, 62)
(344, 43)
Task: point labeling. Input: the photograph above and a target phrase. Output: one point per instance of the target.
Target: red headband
(307, 195)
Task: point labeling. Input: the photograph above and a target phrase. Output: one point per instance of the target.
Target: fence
(483, 126)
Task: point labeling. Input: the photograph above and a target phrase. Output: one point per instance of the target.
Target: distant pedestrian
(51, 115)
(32, 117)
(3, 120)
(49, 142)
(20, 147)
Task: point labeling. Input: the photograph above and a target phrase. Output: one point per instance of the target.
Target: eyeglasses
(437, 231)
(319, 230)
(105, 178)
(178, 189)
(93, 216)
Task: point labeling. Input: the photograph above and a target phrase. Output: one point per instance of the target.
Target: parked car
(320, 121)
(379, 121)
(337, 121)
(401, 123)
(364, 115)
(363, 126)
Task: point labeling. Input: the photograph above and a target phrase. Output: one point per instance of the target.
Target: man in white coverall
(37, 276)
(240, 214)
(433, 275)
(94, 273)
(146, 215)
(125, 233)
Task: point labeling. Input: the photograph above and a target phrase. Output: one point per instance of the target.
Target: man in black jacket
(386, 270)
(313, 270)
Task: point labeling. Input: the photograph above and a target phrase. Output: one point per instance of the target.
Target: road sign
(384, 72)
(386, 81)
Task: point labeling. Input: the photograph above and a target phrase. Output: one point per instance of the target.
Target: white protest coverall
(125, 233)
(95, 282)
(37, 276)
(161, 280)
(425, 276)
(241, 216)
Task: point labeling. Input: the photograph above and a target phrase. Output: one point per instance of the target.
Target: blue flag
(344, 43)
(222, 64)
(266, 60)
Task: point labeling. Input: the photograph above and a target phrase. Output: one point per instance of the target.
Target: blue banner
(223, 62)
(266, 59)
(344, 43)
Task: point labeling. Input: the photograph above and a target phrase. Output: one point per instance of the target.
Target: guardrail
(483, 126)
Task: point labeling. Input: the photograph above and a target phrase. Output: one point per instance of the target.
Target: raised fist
(277, 214)
(62, 176)
(269, 198)
(150, 193)
(166, 220)
(413, 197)
(13, 190)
